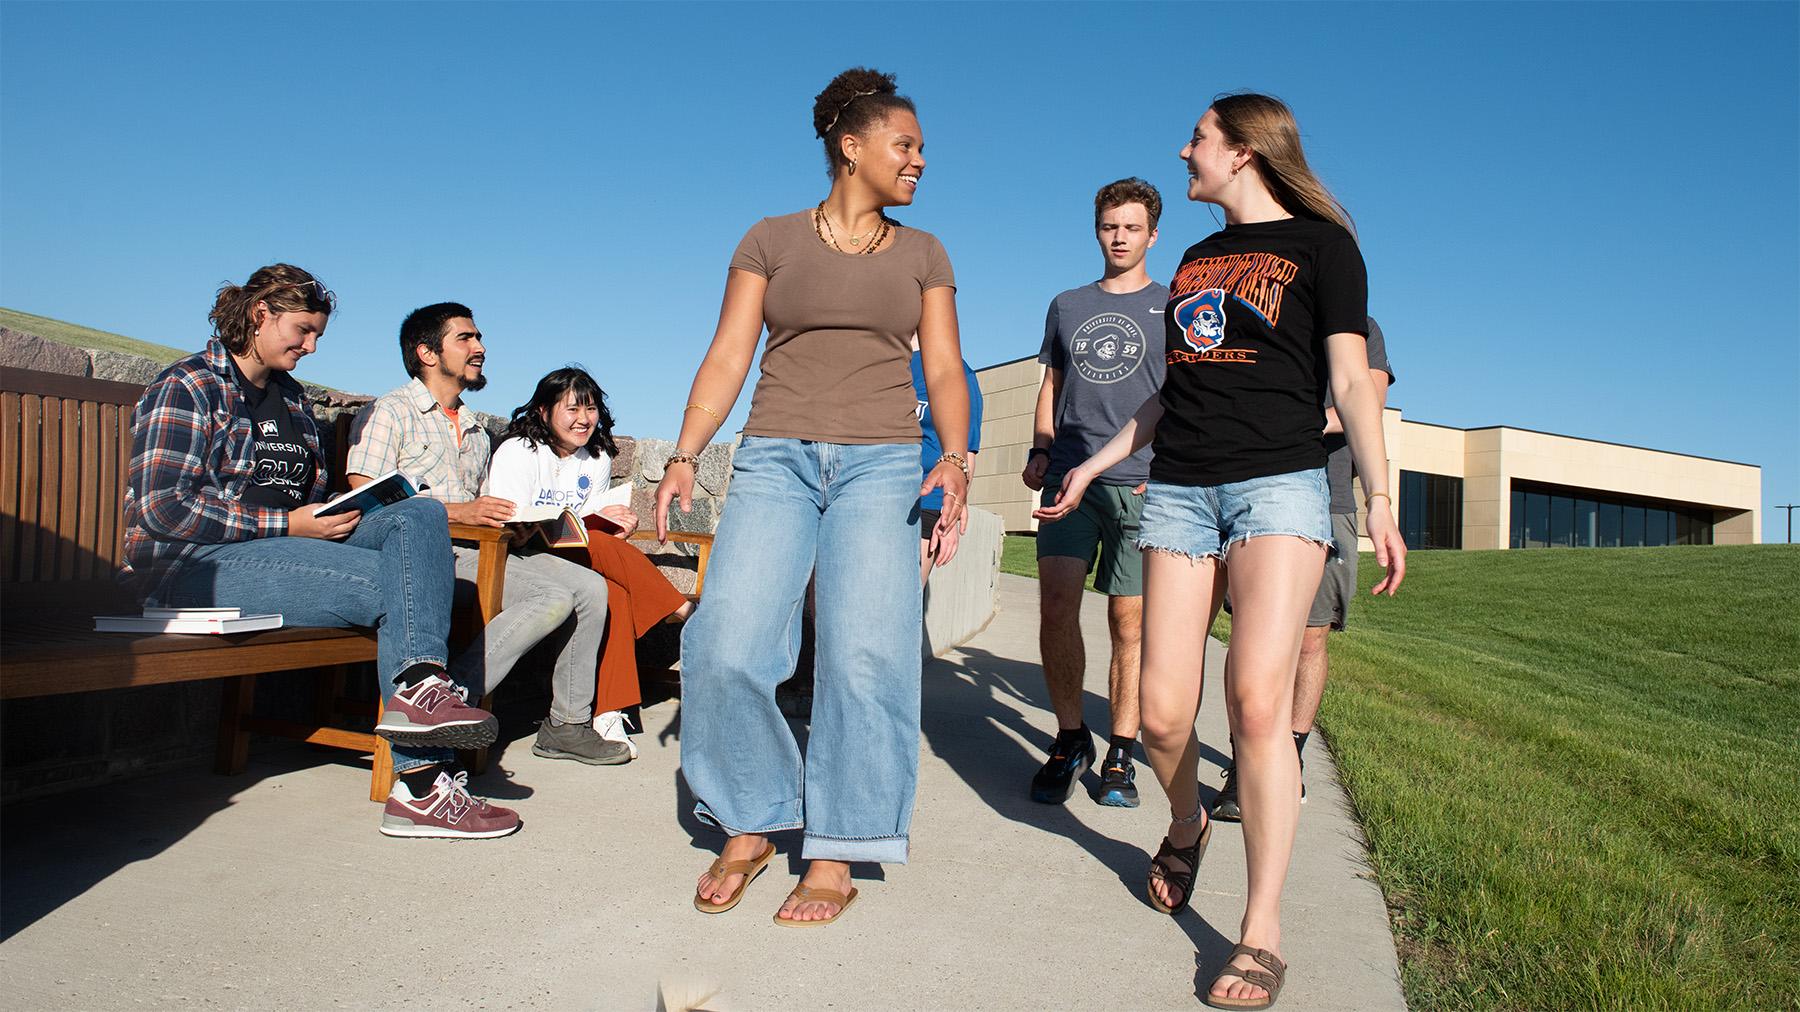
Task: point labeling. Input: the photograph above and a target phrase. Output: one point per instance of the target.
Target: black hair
(528, 419)
(852, 103)
(425, 326)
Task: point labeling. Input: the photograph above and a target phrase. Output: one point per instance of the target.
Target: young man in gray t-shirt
(1331, 604)
(1103, 359)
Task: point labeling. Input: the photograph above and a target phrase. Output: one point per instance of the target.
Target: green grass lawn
(1579, 774)
(86, 337)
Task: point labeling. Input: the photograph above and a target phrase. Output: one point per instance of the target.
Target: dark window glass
(1587, 522)
(1537, 520)
(1656, 528)
(1430, 510)
(1612, 516)
(1518, 519)
(1684, 528)
(1562, 520)
(1703, 528)
(1634, 527)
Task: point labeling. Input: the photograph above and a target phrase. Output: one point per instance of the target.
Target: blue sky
(1577, 218)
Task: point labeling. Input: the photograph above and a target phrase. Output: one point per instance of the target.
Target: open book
(186, 620)
(372, 495)
(560, 527)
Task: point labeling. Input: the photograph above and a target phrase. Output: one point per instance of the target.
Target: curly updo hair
(284, 288)
(854, 102)
(528, 421)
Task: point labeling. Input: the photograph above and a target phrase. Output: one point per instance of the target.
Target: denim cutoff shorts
(1204, 521)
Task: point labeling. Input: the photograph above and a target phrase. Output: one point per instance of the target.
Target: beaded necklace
(822, 228)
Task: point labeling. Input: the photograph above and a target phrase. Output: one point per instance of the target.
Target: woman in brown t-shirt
(825, 486)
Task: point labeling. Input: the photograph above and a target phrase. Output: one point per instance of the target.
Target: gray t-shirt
(1339, 466)
(1109, 350)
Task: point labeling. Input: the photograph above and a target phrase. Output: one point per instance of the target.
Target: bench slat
(68, 496)
(9, 485)
(30, 450)
(89, 563)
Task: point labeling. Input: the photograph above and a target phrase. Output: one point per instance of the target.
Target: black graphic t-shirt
(1249, 311)
(284, 466)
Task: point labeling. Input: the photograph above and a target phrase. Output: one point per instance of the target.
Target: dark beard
(475, 384)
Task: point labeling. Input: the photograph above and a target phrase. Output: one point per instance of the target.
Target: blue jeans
(846, 515)
(394, 572)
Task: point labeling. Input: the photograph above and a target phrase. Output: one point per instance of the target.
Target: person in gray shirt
(1103, 358)
(1331, 604)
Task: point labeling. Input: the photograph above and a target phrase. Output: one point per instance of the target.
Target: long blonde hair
(1266, 126)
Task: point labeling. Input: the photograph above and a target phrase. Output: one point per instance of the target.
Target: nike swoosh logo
(1156, 310)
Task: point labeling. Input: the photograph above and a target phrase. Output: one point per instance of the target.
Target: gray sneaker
(579, 742)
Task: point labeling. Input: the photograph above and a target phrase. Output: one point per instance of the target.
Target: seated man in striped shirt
(423, 430)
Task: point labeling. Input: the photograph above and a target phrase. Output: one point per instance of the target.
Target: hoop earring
(853, 166)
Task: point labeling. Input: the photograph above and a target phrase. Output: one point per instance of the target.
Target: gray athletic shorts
(1331, 604)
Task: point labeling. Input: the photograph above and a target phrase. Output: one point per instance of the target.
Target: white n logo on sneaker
(455, 806)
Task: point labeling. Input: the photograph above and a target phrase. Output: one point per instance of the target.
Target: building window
(1430, 510)
(1553, 517)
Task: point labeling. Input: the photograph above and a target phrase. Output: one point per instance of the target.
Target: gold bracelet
(1368, 499)
(961, 462)
(709, 411)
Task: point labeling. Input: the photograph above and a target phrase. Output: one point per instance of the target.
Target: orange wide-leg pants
(638, 596)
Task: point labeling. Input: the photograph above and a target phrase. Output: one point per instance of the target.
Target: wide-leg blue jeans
(394, 572)
(847, 513)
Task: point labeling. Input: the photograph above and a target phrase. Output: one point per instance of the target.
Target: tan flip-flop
(722, 869)
(807, 894)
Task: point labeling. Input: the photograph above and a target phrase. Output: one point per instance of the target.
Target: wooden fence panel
(30, 459)
(68, 523)
(9, 485)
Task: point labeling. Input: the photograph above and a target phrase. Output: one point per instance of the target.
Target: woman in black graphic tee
(1263, 315)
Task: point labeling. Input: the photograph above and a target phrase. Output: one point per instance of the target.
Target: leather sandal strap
(808, 894)
(1268, 959)
(721, 867)
(1260, 979)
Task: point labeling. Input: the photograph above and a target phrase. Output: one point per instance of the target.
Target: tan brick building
(1491, 487)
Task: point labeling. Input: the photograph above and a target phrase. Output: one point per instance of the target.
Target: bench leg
(476, 760)
(381, 774)
(234, 741)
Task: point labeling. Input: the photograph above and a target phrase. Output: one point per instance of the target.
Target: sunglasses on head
(320, 296)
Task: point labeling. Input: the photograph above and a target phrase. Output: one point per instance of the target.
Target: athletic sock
(416, 674)
(1300, 744)
(419, 780)
(1069, 740)
(1120, 743)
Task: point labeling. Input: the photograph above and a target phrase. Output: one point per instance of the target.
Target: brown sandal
(807, 894)
(1270, 981)
(1183, 880)
(722, 869)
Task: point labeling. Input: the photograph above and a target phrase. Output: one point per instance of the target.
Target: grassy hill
(1579, 774)
(86, 337)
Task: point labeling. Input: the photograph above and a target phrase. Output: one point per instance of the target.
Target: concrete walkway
(273, 890)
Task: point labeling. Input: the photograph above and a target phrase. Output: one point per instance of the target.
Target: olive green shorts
(1106, 520)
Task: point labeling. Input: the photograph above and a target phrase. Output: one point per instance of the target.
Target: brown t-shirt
(836, 368)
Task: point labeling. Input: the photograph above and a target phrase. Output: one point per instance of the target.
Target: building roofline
(1564, 435)
(1010, 361)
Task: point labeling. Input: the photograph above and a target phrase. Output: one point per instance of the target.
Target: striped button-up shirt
(193, 454)
(406, 430)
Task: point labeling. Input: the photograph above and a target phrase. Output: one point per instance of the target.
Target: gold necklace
(828, 235)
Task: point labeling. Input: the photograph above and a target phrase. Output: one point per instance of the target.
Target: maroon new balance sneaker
(435, 712)
(448, 812)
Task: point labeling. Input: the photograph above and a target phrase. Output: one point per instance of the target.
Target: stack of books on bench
(186, 620)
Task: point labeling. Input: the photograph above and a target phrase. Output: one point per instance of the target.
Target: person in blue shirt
(934, 548)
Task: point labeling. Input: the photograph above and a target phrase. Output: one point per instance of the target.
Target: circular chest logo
(1107, 348)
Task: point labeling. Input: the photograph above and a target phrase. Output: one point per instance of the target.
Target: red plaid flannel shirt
(193, 452)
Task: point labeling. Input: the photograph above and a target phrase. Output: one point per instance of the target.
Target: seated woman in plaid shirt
(222, 509)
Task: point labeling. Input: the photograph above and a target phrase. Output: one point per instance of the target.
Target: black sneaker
(579, 742)
(1225, 806)
(1056, 781)
(1117, 786)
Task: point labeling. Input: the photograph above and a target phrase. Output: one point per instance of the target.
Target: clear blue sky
(1577, 218)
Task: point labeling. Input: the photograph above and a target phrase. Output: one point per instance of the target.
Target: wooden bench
(65, 451)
